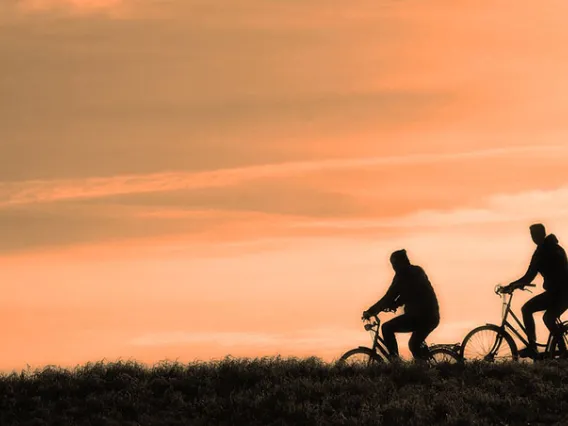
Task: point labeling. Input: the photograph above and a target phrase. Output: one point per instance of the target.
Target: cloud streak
(113, 7)
(45, 191)
(500, 208)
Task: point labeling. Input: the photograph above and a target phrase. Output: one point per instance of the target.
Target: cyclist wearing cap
(410, 288)
(549, 259)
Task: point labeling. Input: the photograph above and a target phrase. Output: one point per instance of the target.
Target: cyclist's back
(416, 292)
(549, 259)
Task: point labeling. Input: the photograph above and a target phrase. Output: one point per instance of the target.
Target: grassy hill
(275, 391)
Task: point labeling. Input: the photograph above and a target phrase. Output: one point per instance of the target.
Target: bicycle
(496, 342)
(438, 353)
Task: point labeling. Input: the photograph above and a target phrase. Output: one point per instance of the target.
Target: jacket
(549, 259)
(412, 288)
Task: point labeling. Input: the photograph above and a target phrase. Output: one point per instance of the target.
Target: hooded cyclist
(549, 259)
(410, 288)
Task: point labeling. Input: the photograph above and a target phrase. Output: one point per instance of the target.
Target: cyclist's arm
(387, 300)
(531, 273)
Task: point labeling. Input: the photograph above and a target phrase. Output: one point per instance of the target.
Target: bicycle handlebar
(377, 315)
(377, 322)
(501, 289)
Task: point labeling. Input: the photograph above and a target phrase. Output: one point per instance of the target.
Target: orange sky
(189, 179)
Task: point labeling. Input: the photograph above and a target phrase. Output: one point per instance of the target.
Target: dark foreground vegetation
(286, 392)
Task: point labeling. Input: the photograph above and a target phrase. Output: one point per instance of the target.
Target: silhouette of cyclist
(410, 288)
(549, 259)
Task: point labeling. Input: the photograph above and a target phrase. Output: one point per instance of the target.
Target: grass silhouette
(278, 391)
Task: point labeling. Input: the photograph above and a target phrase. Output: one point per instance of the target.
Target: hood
(550, 239)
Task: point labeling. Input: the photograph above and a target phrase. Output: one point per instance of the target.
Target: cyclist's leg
(401, 324)
(417, 342)
(538, 303)
(552, 316)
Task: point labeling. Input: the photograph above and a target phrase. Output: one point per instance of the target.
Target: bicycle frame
(509, 328)
(379, 345)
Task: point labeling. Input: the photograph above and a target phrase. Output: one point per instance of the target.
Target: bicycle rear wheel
(489, 343)
(444, 355)
(360, 356)
(556, 352)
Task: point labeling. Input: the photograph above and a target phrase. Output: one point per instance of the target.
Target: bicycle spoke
(487, 344)
(438, 356)
(359, 357)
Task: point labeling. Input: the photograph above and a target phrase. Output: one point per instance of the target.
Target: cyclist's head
(399, 259)
(538, 233)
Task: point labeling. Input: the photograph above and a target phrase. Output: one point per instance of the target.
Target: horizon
(188, 180)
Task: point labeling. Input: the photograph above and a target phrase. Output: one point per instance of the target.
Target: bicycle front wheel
(489, 343)
(360, 356)
(444, 355)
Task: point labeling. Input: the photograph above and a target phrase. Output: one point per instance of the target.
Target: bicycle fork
(493, 351)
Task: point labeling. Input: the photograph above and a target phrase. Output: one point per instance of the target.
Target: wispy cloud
(42, 191)
(500, 208)
(75, 6)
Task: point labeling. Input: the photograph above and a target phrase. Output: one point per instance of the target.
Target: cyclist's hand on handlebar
(508, 289)
(366, 315)
(514, 286)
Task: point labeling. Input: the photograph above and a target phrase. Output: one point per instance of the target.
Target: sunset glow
(82, 6)
(198, 179)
